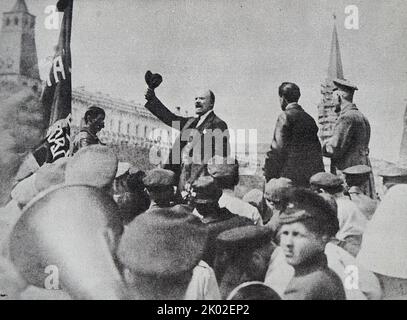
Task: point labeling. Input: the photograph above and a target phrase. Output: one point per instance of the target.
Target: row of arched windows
(16, 21)
(139, 130)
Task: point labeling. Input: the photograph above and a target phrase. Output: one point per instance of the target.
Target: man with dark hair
(94, 122)
(200, 138)
(295, 150)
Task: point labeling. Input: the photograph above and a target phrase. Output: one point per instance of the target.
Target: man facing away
(200, 138)
(295, 150)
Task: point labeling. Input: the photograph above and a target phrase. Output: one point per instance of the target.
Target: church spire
(335, 69)
(326, 109)
(20, 6)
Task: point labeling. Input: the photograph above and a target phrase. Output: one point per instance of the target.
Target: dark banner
(57, 95)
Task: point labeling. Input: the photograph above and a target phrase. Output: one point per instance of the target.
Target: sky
(242, 50)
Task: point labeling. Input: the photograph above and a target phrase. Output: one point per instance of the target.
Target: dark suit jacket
(212, 135)
(295, 150)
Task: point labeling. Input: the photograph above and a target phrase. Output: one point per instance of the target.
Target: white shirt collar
(203, 117)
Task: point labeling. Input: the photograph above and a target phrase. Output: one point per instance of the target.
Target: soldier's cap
(162, 243)
(344, 84)
(220, 167)
(275, 189)
(360, 169)
(94, 165)
(122, 169)
(206, 190)
(243, 238)
(158, 179)
(305, 204)
(393, 172)
(325, 180)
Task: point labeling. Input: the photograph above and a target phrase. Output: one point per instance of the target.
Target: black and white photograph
(203, 150)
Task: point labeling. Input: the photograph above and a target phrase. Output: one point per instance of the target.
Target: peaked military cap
(344, 84)
(357, 170)
(326, 179)
(305, 204)
(393, 172)
(244, 237)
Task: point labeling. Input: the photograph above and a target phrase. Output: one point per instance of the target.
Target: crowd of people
(90, 227)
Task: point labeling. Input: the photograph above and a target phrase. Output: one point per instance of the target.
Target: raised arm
(157, 108)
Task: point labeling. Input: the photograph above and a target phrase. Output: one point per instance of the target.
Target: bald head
(204, 101)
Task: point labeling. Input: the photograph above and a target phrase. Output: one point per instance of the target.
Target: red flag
(57, 95)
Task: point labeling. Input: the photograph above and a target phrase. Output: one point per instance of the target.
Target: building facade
(126, 123)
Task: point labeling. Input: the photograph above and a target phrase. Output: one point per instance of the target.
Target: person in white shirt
(225, 171)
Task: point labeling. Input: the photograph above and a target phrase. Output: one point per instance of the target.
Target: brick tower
(18, 52)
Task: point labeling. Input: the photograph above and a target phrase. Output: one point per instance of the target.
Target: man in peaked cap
(356, 178)
(393, 175)
(352, 222)
(308, 223)
(243, 254)
(214, 220)
(349, 144)
(161, 254)
(160, 184)
(225, 171)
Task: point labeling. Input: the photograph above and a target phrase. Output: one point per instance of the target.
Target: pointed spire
(20, 6)
(335, 69)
